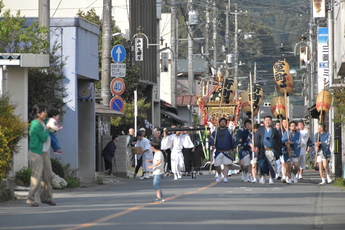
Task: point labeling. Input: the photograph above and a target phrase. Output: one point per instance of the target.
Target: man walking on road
(223, 142)
(268, 145)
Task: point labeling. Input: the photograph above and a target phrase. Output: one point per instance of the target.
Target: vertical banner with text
(322, 56)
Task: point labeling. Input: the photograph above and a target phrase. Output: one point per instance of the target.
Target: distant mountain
(287, 19)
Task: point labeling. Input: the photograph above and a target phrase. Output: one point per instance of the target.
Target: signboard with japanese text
(322, 56)
(118, 70)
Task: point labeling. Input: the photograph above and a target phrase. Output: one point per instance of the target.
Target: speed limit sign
(117, 86)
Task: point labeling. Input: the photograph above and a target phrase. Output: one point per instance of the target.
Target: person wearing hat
(143, 131)
(143, 156)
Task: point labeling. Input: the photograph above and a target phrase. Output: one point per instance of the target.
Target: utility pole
(174, 54)
(236, 46)
(214, 36)
(227, 27)
(207, 42)
(190, 57)
(312, 67)
(190, 50)
(106, 50)
(44, 18)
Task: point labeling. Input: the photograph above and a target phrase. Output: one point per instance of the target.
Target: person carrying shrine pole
(322, 139)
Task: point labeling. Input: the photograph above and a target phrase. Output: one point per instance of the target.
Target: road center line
(115, 215)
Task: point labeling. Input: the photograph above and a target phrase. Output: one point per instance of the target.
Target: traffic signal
(138, 49)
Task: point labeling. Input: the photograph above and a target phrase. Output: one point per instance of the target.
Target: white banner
(319, 8)
(118, 70)
(322, 56)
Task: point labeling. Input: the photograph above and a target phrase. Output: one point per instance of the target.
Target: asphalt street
(191, 204)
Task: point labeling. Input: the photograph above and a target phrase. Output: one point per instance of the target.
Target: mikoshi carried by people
(222, 141)
(176, 142)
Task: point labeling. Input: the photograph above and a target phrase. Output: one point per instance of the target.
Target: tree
(339, 105)
(45, 84)
(15, 38)
(12, 129)
(126, 122)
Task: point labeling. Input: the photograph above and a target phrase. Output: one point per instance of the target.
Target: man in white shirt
(146, 154)
(176, 142)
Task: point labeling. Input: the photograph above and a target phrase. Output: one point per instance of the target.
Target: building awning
(102, 110)
(173, 116)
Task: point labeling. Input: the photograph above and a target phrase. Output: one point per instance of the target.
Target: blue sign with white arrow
(118, 53)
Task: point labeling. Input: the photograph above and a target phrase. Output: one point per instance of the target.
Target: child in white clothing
(53, 124)
(158, 169)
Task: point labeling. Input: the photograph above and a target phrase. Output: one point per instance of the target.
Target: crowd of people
(266, 152)
(182, 152)
(275, 151)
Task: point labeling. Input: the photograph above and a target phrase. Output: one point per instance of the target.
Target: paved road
(190, 204)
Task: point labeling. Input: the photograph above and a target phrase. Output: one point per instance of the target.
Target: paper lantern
(323, 101)
(278, 108)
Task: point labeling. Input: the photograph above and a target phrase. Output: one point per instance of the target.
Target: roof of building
(183, 100)
(102, 110)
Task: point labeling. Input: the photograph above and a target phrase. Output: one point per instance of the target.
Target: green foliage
(5, 193)
(12, 126)
(132, 82)
(45, 85)
(22, 177)
(57, 167)
(339, 182)
(12, 129)
(72, 182)
(5, 156)
(339, 105)
(99, 180)
(14, 38)
(124, 123)
(71, 176)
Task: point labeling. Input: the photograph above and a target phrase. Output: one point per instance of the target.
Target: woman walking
(41, 190)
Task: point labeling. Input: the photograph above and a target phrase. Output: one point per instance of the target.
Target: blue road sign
(118, 53)
(117, 104)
